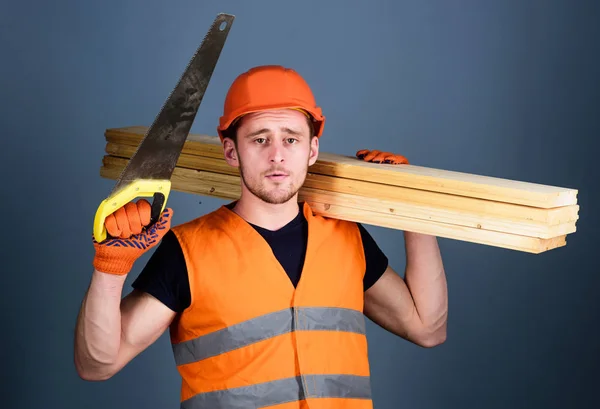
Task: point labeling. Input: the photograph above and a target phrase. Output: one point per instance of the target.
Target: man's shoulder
(197, 222)
(336, 227)
(334, 222)
(342, 226)
(211, 226)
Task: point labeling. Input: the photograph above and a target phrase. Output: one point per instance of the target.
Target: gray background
(500, 88)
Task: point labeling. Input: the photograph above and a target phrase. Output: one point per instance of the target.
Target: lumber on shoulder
(409, 176)
(397, 200)
(227, 186)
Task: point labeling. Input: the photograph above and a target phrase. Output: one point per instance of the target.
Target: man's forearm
(426, 279)
(98, 329)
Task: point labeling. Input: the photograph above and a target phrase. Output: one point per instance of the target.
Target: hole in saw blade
(223, 25)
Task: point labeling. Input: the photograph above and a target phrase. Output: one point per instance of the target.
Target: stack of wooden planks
(492, 211)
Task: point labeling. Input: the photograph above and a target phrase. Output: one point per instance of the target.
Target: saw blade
(148, 172)
(159, 150)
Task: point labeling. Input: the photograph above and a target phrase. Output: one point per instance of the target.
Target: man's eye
(259, 140)
(291, 140)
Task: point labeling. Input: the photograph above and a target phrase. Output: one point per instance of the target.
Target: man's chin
(277, 196)
(276, 200)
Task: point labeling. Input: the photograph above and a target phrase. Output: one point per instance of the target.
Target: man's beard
(274, 196)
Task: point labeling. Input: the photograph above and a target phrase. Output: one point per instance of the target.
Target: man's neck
(266, 215)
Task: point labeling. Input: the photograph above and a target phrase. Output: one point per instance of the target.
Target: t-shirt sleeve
(376, 260)
(165, 275)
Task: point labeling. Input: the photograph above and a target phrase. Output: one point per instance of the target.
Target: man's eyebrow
(256, 133)
(266, 130)
(291, 131)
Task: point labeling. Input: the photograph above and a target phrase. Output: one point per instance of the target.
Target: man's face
(274, 150)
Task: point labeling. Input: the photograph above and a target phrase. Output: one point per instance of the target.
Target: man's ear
(230, 152)
(314, 150)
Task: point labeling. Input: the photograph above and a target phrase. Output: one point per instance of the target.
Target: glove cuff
(106, 262)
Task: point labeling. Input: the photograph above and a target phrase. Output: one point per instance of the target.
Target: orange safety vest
(250, 339)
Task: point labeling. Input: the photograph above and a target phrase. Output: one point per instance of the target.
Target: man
(263, 298)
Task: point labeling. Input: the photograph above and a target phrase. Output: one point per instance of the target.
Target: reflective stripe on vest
(282, 391)
(268, 326)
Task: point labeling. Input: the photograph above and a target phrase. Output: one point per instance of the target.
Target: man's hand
(381, 157)
(129, 237)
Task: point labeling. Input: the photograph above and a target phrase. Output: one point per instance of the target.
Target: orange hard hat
(269, 87)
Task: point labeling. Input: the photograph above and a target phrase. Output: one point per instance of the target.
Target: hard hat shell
(269, 87)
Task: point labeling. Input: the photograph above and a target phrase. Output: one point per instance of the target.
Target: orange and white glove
(130, 237)
(376, 156)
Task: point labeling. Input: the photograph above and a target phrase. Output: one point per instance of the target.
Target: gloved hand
(130, 237)
(381, 157)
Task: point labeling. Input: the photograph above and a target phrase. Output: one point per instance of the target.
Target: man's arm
(111, 331)
(415, 308)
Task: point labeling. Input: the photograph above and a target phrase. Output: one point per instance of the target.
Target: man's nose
(276, 153)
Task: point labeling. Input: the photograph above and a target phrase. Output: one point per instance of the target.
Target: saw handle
(157, 189)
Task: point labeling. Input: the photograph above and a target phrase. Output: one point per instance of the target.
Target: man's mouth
(277, 175)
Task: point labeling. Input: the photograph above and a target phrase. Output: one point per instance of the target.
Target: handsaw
(148, 173)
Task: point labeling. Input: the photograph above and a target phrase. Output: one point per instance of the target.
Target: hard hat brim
(315, 113)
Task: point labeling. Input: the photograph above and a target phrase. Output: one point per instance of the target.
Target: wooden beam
(408, 176)
(226, 186)
(394, 200)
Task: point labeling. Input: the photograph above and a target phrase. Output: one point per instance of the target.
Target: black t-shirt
(165, 275)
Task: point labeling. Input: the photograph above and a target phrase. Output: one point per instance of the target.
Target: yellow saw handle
(158, 189)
